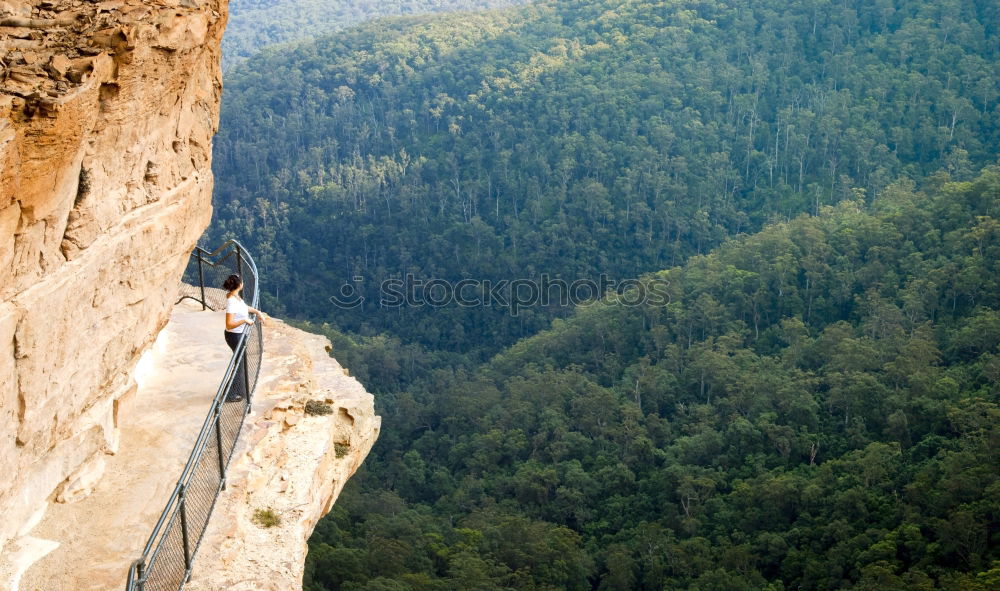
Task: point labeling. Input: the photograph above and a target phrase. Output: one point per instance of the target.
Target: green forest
(814, 405)
(579, 138)
(816, 408)
(256, 24)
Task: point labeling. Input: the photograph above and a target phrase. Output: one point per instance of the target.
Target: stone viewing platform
(287, 461)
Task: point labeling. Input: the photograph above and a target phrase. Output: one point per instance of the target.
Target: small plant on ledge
(341, 449)
(318, 407)
(266, 518)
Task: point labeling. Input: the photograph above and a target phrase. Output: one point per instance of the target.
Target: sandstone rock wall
(107, 110)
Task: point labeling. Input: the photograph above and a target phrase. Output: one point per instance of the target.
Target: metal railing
(168, 556)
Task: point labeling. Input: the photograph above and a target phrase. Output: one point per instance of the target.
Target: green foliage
(256, 24)
(816, 408)
(580, 138)
(266, 518)
(318, 407)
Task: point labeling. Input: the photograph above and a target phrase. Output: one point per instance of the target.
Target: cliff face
(311, 428)
(287, 460)
(107, 110)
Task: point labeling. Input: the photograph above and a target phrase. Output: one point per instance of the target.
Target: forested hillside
(579, 138)
(813, 185)
(816, 408)
(255, 24)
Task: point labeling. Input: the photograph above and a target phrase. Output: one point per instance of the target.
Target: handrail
(203, 257)
(165, 562)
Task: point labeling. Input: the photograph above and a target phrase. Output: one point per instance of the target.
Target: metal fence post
(140, 574)
(218, 439)
(257, 333)
(201, 279)
(239, 262)
(184, 528)
(243, 363)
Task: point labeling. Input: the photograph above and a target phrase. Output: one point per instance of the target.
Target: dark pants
(239, 386)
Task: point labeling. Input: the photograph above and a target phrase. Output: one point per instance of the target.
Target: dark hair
(231, 282)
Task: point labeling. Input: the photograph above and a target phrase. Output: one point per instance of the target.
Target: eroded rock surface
(107, 110)
(291, 462)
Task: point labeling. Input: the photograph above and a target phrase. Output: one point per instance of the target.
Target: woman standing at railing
(237, 321)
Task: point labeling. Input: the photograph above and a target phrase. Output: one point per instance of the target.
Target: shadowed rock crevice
(108, 93)
(73, 240)
(19, 354)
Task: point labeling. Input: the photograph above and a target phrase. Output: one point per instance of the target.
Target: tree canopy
(580, 138)
(812, 185)
(816, 408)
(256, 24)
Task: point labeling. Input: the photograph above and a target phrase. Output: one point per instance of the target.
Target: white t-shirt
(239, 310)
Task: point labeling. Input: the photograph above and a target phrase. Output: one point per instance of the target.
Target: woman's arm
(264, 317)
(231, 324)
